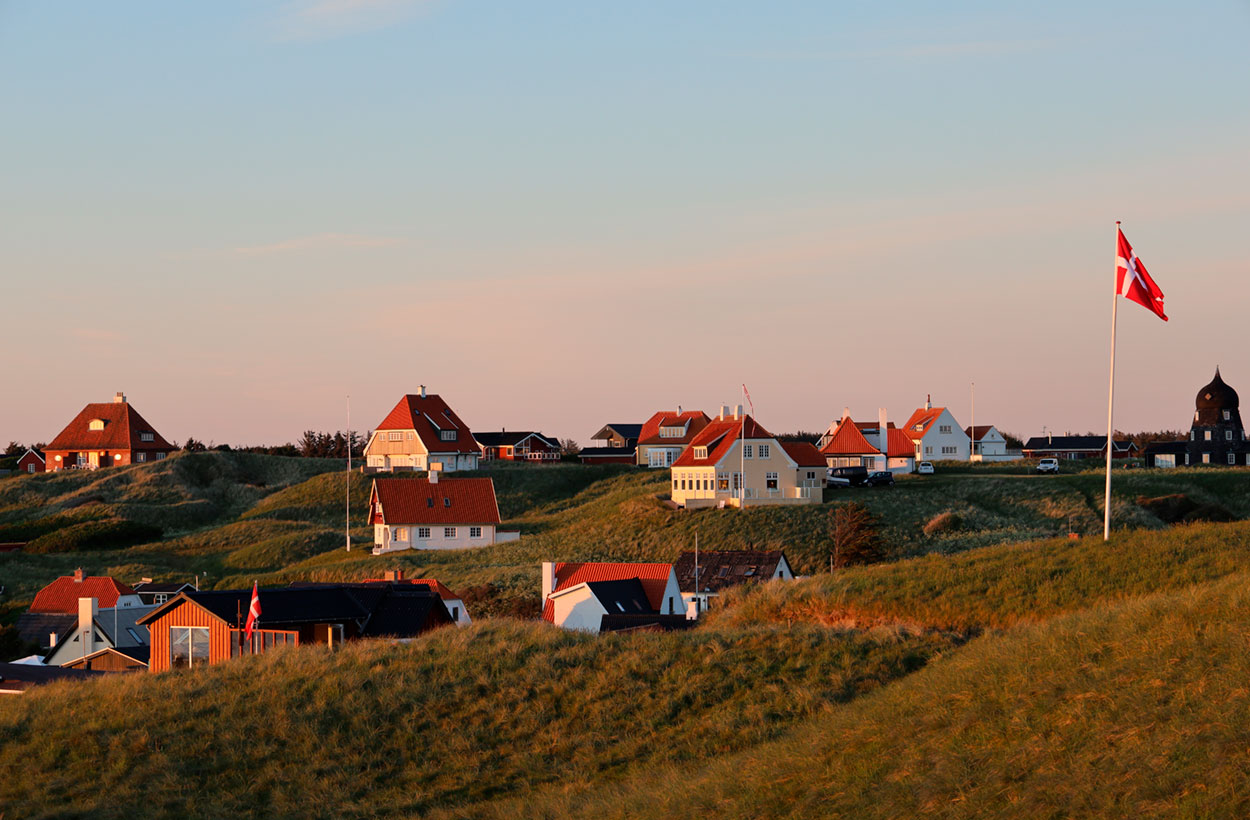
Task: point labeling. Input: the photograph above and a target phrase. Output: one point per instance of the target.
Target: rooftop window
(95, 424)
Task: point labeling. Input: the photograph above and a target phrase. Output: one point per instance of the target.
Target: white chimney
(435, 469)
(679, 409)
(724, 412)
(423, 391)
(549, 579)
(883, 439)
(846, 413)
(928, 401)
(120, 398)
(737, 411)
(692, 609)
(88, 608)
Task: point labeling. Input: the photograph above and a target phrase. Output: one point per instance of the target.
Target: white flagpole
(1115, 301)
(347, 523)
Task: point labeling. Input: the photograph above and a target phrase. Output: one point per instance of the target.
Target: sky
(562, 214)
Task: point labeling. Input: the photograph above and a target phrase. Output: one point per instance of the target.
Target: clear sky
(566, 213)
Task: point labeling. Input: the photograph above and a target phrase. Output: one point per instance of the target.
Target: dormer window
(429, 502)
(446, 501)
(1227, 415)
(95, 424)
(146, 437)
(673, 432)
(447, 435)
(700, 452)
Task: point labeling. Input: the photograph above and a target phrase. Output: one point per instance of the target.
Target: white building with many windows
(936, 435)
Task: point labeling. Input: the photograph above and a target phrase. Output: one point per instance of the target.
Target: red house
(518, 446)
(32, 461)
(104, 435)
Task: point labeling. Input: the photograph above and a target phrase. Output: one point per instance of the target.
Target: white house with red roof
(453, 602)
(849, 443)
(55, 610)
(936, 435)
(734, 461)
(594, 597)
(666, 435)
(106, 435)
(989, 445)
(434, 514)
(422, 433)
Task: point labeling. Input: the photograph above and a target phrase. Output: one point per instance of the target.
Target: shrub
(856, 535)
(1181, 509)
(110, 533)
(942, 523)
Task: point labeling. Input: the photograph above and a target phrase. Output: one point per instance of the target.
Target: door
(93, 459)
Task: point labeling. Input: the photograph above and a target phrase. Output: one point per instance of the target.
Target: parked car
(855, 476)
(837, 482)
(881, 478)
(924, 468)
(1048, 465)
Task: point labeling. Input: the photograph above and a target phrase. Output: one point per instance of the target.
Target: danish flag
(1132, 280)
(253, 612)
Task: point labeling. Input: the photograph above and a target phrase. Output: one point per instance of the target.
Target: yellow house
(735, 462)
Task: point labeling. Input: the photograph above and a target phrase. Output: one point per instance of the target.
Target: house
(200, 628)
(108, 640)
(422, 433)
(936, 435)
(703, 575)
(1076, 447)
(519, 446)
(1216, 435)
(988, 444)
(19, 678)
(434, 514)
(849, 443)
(614, 444)
(32, 461)
(104, 435)
(592, 596)
(155, 593)
(54, 612)
(666, 435)
(710, 472)
(455, 606)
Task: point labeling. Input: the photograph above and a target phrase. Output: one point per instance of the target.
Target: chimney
(724, 412)
(435, 469)
(88, 608)
(78, 576)
(679, 409)
(692, 609)
(393, 575)
(928, 401)
(119, 398)
(846, 413)
(737, 411)
(549, 579)
(423, 391)
(883, 439)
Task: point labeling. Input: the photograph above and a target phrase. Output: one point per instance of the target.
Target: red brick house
(32, 461)
(106, 435)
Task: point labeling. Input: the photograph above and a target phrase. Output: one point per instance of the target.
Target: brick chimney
(119, 398)
(393, 575)
(928, 401)
(78, 576)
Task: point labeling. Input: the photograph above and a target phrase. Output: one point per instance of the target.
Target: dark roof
(404, 610)
(719, 569)
(982, 430)
(511, 439)
(649, 623)
(622, 597)
(625, 431)
(34, 627)
(1174, 447)
(1075, 443)
(168, 586)
(21, 676)
(601, 452)
(1216, 395)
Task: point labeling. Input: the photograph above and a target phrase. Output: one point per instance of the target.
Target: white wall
(935, 440)
(385, 537)
(577, 608)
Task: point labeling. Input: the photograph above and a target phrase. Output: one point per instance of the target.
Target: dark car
(881, 478)
(854, 476)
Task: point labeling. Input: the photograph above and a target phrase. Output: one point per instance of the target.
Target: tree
(194, 446)
(569, 447)
(14, 449)
(856, 536)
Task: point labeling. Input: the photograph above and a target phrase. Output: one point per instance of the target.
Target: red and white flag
(1132, 280)
(747, 393)
(253, 612)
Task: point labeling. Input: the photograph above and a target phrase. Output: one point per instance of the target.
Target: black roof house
(1216, 435)
(720, 569)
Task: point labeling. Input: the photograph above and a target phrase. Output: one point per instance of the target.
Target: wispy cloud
(320, 242)
(323, 19)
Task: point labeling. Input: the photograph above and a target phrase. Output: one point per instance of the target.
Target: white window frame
(423, 533)
(395, 435)
(475, 532)
(748, 451)
(449, 532)
(765, 451)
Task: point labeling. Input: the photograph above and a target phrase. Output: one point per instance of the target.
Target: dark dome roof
(1217, 396)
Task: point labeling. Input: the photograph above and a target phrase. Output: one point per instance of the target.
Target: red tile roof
(848, 440)
(981, 430)
(924, 418)
(695, 420)
(122, 428)
(900, 444)
(447, 501)
(804, 453)
(61, 596)
(654, 578)
(718, 437)
(428, 416)
(433, 583)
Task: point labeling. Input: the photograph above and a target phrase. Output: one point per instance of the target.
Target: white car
(924, 468)
(1048, 465)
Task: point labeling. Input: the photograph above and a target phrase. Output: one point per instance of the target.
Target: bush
(1181, 509)
(110, 533)
(856, 535)
(943, 523)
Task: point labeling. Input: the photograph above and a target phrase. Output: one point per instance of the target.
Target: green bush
(110, 533)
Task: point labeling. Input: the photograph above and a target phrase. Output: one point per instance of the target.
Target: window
(408, 435)
(447, 435)
(188, 646)
(1206, 458)
(449, 532)
(749, 571)
(1207, 435)
(395, 435)
(1187, 458)
(134, 636)
(723, 573)
(146, 436)
(446, 501)
(766, 451)
(748, 451)
(401, 533)
(30, 468)
(160, 456)
(722, 481)
(1191, 435)
(700, 452)
(928, 450)
(770, 481)
(1228, 435)
(141, 457)
(423, 532)
(1226, 415)
(95, 424)
(944, 428)
(675, 484)
(475, 532)
(811, 474)
(455, 613)
(672, 432)
(160, 598)
(683, 483)
(1232, 459)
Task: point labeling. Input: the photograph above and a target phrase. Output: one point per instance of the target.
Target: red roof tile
(693, 420)
(923, 418)
(848, 440)
(122, 428)
(447, 501)
(718, 437)
(428, 416)
(901, 444)
(61, 596)
(804, 453)
(654, 578)
(981, 430)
